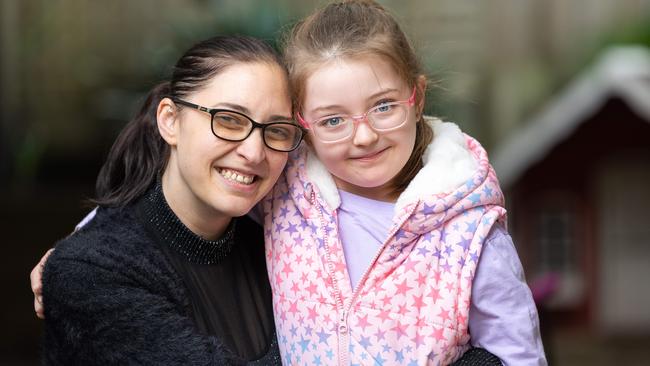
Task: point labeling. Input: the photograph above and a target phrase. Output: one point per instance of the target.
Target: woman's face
(208, 180)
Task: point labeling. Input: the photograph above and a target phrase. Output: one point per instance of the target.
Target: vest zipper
(355, 292)
(342, 327)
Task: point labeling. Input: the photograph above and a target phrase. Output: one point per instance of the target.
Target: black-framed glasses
(235, 126)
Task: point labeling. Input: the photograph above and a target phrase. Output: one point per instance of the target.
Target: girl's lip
(371, 156)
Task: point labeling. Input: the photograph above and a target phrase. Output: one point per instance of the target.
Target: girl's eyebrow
(381, 93)
(327, 108)
(246, 111)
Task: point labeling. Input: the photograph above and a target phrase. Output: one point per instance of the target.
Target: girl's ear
(166, 119)
(421, 85)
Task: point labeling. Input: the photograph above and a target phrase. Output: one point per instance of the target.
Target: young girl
(386, 239)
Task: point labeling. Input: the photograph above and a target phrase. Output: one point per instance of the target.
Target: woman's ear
(166, 119)
(421, 85)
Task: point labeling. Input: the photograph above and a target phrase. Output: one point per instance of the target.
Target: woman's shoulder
(113, 251)
(113, 240)
(111, 229)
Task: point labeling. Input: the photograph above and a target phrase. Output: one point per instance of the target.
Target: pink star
(409, 265)
(435, 294)
(383, 315)
(293, 307)
(363, 322)
(312, 288)
(288, 250)
(418, 301)
(444, 314)
(403, 288)
(312, 314)
(438, 334)
(309, 260)
(295, 288)
(422, 279)
(450, 286)
(287, 269)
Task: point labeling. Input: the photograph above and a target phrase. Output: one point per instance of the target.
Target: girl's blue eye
(330, 122)
(384, 107)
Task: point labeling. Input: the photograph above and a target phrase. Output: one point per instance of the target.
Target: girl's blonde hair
(356, 29)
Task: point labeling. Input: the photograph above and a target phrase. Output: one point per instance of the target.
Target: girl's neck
(383, 193)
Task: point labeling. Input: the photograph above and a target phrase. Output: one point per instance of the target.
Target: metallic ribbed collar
(169, 228)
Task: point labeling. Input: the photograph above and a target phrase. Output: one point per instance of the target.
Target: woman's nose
(253, 148)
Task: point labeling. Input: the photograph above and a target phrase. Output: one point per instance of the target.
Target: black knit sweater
(113, 297)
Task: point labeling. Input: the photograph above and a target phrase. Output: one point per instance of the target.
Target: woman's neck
(197, 216)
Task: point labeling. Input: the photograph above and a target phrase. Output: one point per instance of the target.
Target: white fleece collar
(448, 163)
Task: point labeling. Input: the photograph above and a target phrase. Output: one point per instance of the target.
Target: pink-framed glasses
(382, 117)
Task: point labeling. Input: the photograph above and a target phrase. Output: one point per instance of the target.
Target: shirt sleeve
(105, 311)
(86, 219)
(502, 317)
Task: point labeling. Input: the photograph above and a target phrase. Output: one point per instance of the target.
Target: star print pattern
(412, 305)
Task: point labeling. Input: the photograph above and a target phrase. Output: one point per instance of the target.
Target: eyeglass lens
(381, 117)
(281, 136)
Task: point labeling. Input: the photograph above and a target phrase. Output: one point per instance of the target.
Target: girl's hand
(36, 278)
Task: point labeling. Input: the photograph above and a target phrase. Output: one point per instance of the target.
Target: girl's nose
(253, 148)
(364, 134)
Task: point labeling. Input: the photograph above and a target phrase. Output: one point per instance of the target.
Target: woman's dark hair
(139, 155)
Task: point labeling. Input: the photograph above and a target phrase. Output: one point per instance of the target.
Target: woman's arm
(35, 278)
(111, 310)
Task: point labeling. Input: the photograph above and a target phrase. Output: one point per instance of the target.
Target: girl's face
(365, 163)
(208, 180)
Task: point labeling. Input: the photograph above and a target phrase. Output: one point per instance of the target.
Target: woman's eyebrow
(246, 111)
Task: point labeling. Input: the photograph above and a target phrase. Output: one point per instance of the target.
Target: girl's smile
(370, 157)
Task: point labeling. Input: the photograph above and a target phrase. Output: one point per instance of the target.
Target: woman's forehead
(257, 86)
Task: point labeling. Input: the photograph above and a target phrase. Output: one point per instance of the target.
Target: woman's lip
(232, 181)
(238, 171)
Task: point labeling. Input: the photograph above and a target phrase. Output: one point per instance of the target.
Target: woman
(164, 273)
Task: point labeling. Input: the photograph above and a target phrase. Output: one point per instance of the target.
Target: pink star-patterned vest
(411, 305)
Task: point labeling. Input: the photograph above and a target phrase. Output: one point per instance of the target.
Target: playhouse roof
(622, 72)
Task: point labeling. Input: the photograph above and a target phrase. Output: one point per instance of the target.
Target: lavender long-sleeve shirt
(502, 316)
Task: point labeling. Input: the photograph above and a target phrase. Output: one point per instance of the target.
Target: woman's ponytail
(138, 156)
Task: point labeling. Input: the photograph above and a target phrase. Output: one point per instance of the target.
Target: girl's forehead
(341, 81)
